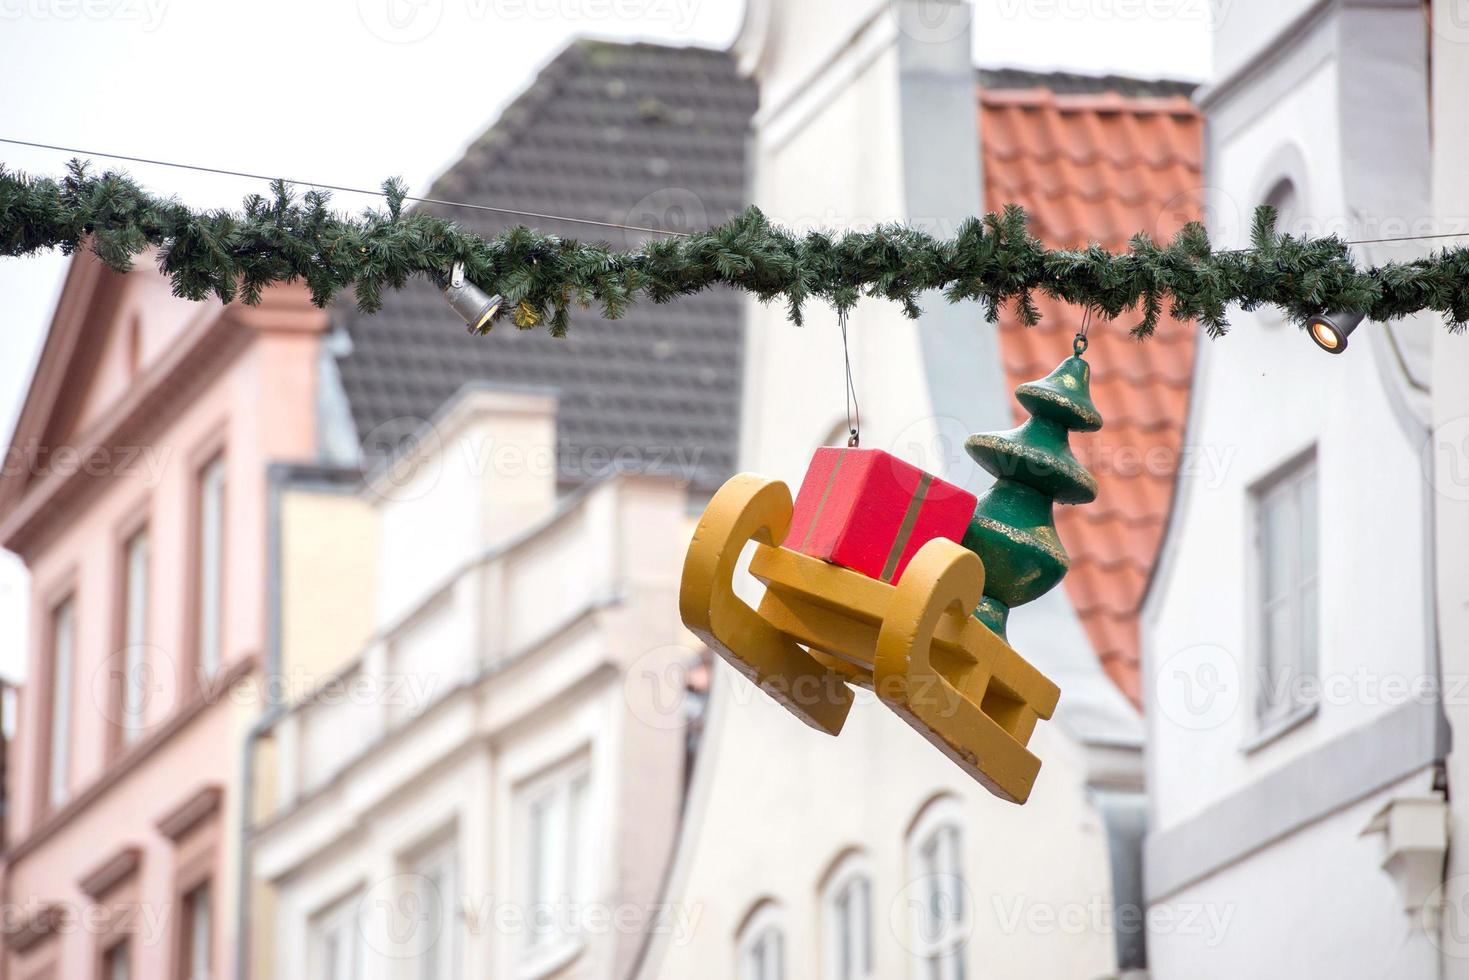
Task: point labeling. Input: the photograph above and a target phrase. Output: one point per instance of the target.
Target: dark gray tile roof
(637, 134)
(1070, 83)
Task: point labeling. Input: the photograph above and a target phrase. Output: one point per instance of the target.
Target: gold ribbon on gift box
(905, 529)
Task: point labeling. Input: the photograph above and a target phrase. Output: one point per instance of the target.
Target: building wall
(1255, 822)
(1448, 446)
(788, 802)
(256, 407)
(328, 581)
(1244, 29)
(1330, 912)
(536, 632)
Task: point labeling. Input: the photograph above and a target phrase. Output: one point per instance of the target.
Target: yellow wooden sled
(821, 627)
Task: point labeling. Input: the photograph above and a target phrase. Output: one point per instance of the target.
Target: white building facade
(1447, 458)
(490, 788)
(1294, 729)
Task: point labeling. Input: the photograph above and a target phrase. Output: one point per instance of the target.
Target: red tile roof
(1099, 167)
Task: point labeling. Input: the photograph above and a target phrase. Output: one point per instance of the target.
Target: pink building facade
(135, 491)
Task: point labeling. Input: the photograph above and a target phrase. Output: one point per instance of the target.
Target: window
(847, 921)
(134, 680)
(761, 948)
(117, 963)
(135, 344)
(556, 819)
(211, 565)
(336, 950)
(434, 882)
(63, 650)
(940, 912)
(197, 931)
(1283, 197)
(1286, 543)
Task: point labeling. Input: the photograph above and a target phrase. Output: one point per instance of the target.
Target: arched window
(941, 910)
(846, 919)
(1285, 198)
(1286, 201)
(760, 950)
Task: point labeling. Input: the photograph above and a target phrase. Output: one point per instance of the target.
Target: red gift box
(869, 511)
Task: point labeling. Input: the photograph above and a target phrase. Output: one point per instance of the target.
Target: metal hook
(1079, 344)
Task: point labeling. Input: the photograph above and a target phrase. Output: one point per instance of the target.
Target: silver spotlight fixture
(469, 301)
(1331, 330)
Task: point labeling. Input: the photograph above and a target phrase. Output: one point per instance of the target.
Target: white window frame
(135, 594)
(213, 489)
(940, 902)
(846, 920)
(1279, 705)
(434, 873)
(761, 950)
(336, 933)
(117, 961)
(562, 801)
(201, 933)
(63, 664)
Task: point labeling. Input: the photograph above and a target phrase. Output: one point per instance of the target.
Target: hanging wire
(1080, 343)
(854, 434)
(349, 190)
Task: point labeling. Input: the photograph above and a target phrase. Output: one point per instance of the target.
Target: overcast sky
(351, 91)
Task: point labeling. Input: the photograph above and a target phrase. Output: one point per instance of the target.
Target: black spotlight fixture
(469, 301)
(1331, 330)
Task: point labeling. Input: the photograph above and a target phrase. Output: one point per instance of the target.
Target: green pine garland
(995, 261)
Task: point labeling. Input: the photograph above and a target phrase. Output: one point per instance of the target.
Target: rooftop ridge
(1066, 82)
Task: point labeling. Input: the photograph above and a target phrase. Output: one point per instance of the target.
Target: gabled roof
(1091, 164)
(626, 133)
(88, 296)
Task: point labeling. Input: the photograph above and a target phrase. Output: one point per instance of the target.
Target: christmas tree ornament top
(1013, 530)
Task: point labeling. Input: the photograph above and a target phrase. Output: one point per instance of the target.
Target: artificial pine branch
(994, 260)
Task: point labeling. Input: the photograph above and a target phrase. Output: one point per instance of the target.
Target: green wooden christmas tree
(1013, 530)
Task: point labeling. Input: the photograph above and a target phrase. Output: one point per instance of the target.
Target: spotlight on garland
(886, 577)
(1331, 330)
(470, 302)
